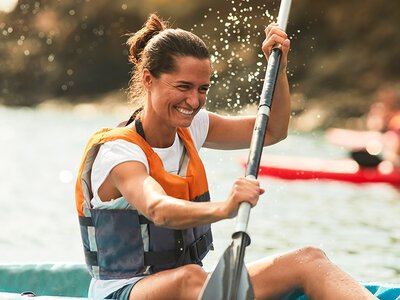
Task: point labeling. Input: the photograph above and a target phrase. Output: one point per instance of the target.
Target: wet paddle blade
(217, 286)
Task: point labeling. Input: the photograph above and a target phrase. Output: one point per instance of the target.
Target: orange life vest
(112, 238)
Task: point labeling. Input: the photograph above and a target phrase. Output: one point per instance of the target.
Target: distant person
(142, 194)
(383, 110)
(392, 140)
(383, 116)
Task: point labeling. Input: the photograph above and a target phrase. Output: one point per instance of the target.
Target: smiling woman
(142, 194)
(8, 6)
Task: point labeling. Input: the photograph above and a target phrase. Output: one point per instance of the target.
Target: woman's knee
(180, 283)
(191, 278)
(310, 255)
(310, 262)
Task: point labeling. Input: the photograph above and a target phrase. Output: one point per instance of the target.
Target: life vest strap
(191, 254)
(201, 246)
(91, 258)
(159, 258)
(139, 128)
(144, 220)
(87, 221)
(194, 253)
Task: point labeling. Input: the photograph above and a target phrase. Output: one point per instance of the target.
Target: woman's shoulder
(199, 128)
(200, 120)
(120, 146)
(117, 151)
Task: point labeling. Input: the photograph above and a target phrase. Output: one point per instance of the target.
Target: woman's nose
(193, 99)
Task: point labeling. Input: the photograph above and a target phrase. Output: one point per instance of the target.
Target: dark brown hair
(155, 47)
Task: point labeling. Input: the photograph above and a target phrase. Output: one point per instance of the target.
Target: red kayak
(345, 169)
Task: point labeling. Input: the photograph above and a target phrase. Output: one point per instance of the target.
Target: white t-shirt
(115, 152)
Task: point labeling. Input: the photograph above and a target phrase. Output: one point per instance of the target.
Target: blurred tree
(71, 49)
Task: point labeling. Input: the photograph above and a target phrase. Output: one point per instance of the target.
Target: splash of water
(236, 55)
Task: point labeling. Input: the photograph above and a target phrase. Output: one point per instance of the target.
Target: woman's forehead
(192, 67)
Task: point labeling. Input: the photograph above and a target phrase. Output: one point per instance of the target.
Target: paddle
(230, 281)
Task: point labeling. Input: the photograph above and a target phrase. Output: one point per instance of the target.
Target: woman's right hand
(244, 189)
(276, 36)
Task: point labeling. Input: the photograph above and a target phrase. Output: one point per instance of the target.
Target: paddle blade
(217, 286)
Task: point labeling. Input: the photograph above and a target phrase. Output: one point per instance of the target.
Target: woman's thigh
(276, 276)
(307, 269)
(184, 282)
(271, 276)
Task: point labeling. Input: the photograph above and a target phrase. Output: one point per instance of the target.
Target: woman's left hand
(276, 36)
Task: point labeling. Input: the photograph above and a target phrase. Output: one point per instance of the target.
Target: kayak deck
(383, 291)
(64, 281)
(47, 279)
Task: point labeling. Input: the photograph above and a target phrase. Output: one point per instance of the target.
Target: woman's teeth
(184, 111)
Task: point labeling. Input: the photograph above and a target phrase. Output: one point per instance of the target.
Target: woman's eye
(183, 87)
(203, 90)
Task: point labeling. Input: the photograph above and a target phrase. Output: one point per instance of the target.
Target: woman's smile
(185, 111)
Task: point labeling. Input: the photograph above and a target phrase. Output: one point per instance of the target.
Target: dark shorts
(123, 293)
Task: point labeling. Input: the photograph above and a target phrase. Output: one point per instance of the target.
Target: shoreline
(306, 114)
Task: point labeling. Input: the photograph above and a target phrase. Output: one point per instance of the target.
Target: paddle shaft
(261, 123)
(240, 237)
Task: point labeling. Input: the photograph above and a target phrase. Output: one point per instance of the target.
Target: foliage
(75, 49)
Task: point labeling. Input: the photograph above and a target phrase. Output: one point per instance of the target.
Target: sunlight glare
(7, 6)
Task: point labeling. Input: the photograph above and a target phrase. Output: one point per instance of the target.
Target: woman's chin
(184, 121)
(184, 124)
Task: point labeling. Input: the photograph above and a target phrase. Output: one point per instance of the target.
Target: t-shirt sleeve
(110, 155)
(199, 128)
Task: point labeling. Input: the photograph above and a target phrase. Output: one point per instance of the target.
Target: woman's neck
(157, 135)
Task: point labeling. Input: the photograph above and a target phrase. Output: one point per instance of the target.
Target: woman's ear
(147, 79)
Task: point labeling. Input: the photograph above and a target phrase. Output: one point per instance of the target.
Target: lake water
(358, 226)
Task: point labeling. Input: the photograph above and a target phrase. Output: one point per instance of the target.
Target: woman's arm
(145, 194)
(235, 132)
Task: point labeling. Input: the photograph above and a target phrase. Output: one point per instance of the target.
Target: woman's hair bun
(138, 41)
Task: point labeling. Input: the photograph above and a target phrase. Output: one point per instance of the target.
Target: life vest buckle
(200, 246)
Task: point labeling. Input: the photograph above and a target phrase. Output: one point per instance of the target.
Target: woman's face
(175, 98)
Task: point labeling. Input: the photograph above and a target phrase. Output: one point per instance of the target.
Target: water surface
(356, 225)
